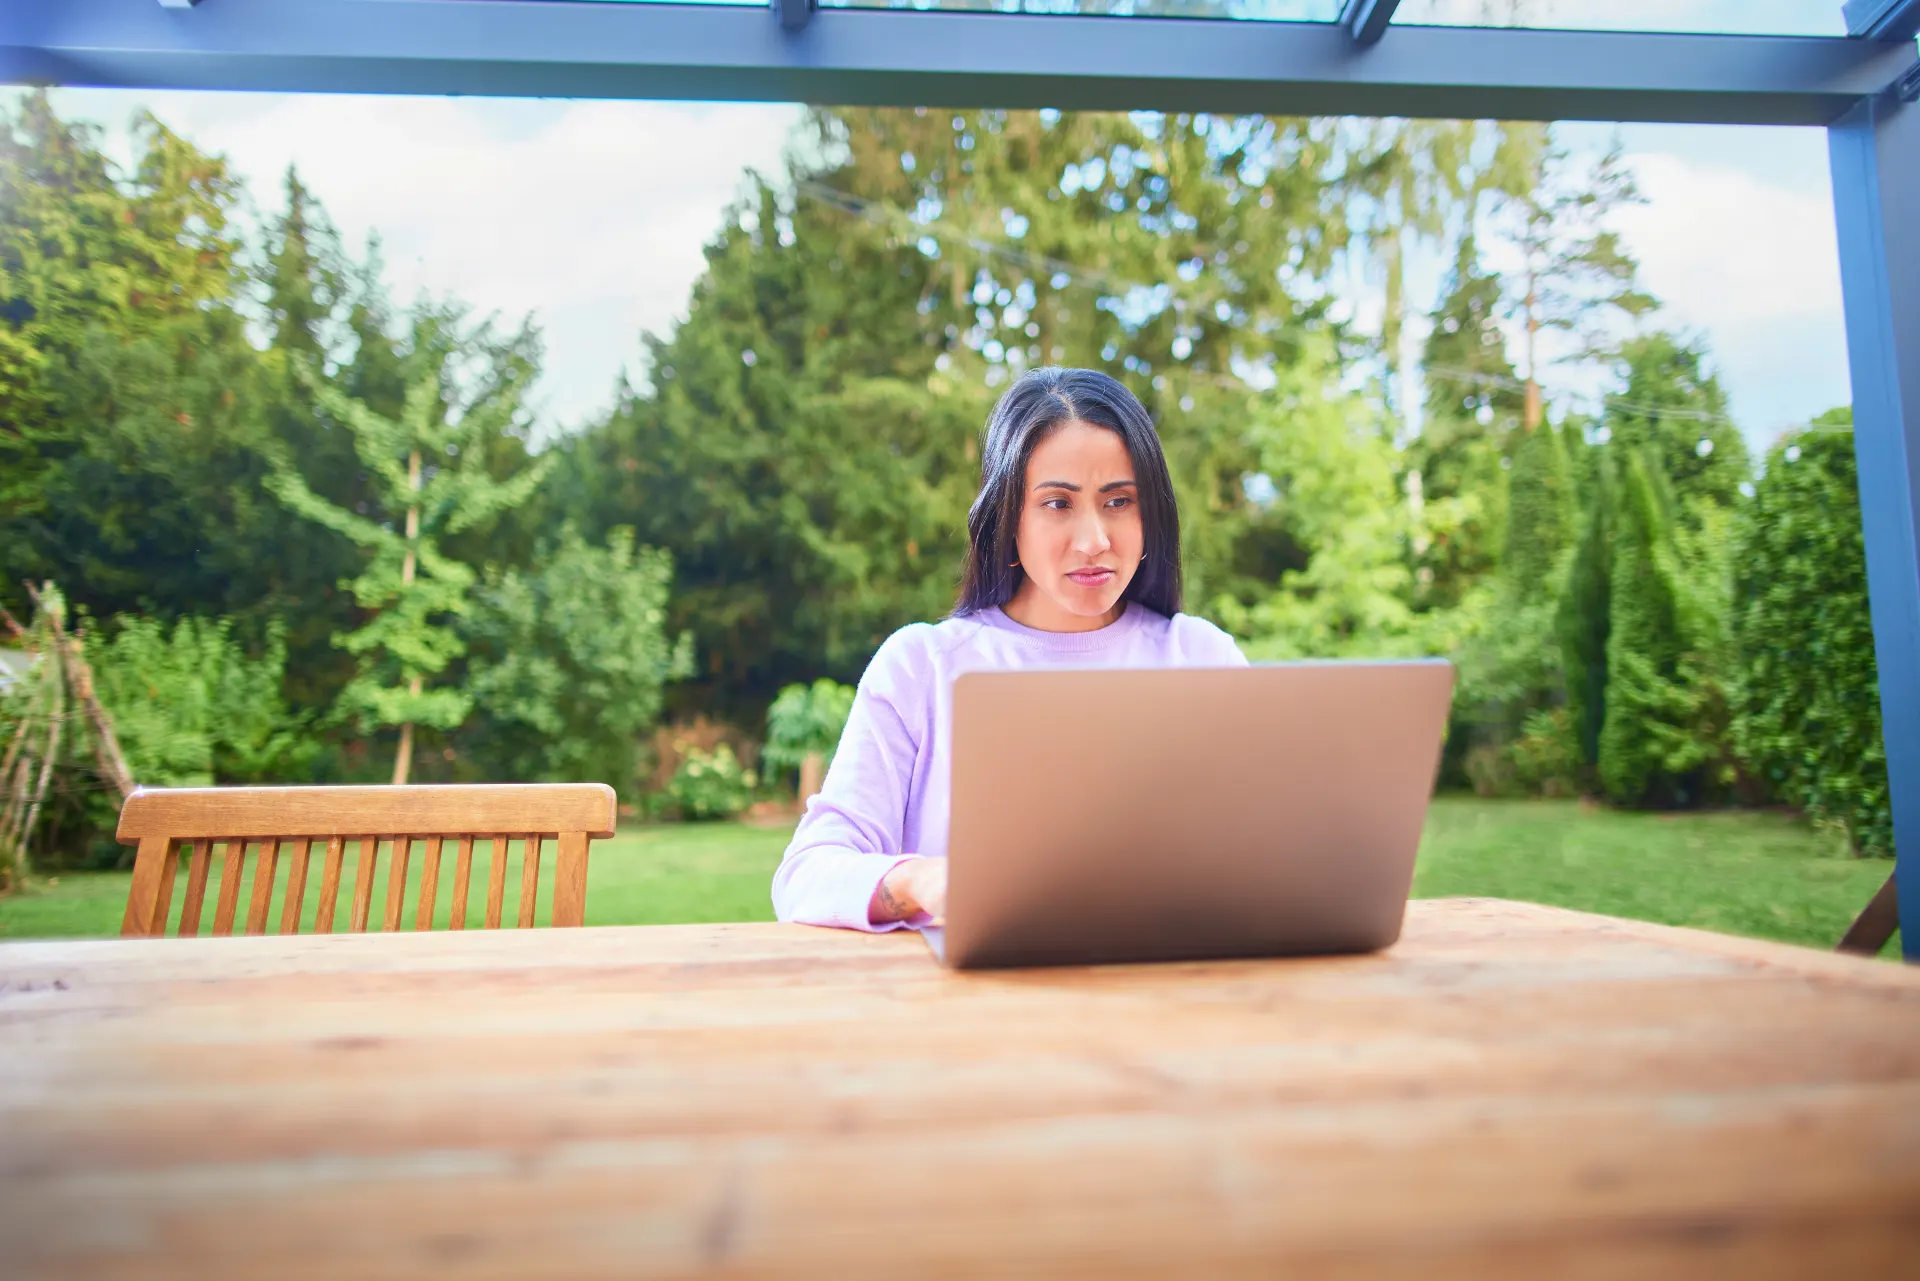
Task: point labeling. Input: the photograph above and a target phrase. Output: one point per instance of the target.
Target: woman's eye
(1120, 503)
(1055, 504)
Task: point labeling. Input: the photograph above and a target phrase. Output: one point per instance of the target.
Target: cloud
(592, 216)
(1753, 265)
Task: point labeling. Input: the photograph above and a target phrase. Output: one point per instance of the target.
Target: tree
(429, 469)
(1673, 406)
(1473, 402)
(570, 659)
(1575, 276)
(1807, 701)
(1663, 740)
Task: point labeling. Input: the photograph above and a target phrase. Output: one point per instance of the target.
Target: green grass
(1743, 873)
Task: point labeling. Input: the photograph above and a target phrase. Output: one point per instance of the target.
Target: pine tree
(1585, 613)
(1473, 405)
(428, 467)
(1672, 405)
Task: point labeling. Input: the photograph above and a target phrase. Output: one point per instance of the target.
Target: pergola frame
(1862, 89)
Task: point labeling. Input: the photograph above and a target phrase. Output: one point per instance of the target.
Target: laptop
(1186, 813)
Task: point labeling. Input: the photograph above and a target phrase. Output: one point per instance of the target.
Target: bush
(570, 660)
(191, 708)
(711, 785)
(1807, 698)
(806, 720)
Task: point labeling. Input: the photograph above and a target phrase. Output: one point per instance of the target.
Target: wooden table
(1513, 1091)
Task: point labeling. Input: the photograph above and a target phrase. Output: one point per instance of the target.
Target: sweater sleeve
(851, 834)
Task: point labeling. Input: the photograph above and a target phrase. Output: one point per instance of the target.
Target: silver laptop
(1186, 813)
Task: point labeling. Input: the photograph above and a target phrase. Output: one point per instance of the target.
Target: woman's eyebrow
(1058, 484)
(1118, 484)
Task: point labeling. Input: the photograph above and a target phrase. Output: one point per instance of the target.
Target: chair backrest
(287, 824)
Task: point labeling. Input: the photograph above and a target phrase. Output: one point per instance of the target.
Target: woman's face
(1080, 538)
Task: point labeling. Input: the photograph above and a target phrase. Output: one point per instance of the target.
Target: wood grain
(496, 882)
(363, 870)
(397, 882)
(155, 864)
(429, 885)
(547, 808)
(330, 884)
(196, 887)
(1510, 1092)
(462, 880)
(266, 864)
(296, 886)
(232, 865)
(529, 880)
(570, 880)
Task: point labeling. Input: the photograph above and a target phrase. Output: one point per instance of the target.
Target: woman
(1073, 560)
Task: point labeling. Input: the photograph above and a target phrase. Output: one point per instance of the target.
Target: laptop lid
(1118, 815)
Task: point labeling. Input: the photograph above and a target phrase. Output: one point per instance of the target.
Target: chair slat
(529, 879)
(154, 867)
(330, 884)
(496, 882)
(232, 864)
(265, 864)
(570, 880)
(296, 886)
(429, 885)
(462, 879)
(397, 882)
(363, 884)
(196, 887)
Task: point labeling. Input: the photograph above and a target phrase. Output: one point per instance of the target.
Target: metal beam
(1367, 20)
(1883, 19)
(881, 57)
(793, 14)
(1875, 151)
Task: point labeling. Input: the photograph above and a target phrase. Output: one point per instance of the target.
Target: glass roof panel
(1718, 17)
(1255, 10)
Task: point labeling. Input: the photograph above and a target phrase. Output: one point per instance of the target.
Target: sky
(592, 216)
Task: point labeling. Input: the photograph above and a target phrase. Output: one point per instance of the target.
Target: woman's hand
(909, 888)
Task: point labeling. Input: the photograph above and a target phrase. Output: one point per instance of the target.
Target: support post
(1875, 152)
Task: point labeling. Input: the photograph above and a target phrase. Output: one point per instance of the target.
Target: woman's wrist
(894, 898)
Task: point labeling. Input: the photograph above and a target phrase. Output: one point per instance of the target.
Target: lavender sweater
(886, 794)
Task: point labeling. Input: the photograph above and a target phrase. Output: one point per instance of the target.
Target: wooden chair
(293, 821)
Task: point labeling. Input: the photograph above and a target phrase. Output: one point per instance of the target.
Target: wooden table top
(1512, 1091)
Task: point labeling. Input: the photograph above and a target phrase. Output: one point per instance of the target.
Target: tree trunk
(813, 771)
(403, 759)
(1531, 414)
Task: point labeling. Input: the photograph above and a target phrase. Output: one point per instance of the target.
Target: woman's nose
(1091, 539)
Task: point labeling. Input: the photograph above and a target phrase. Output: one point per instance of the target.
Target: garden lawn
(1761, 874)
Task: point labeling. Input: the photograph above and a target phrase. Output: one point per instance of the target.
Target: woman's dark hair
(1040, 401)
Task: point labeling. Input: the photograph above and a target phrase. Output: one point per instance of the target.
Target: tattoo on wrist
(891, 908)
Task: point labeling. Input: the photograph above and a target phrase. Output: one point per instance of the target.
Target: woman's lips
(1093, 576)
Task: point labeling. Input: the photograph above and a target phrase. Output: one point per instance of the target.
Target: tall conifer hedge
(1807, 702)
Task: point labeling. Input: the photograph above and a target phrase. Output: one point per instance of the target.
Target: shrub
(806, 720)
(711, 785)
(1807, 698)
(191, 707)
(570, 661)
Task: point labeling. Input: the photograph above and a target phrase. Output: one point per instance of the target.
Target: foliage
(1664, 736)
(1807, 701)
(191, 708)
(432, 476)
(806, 720)
(710, 784)
(570, 660)
(1332, 471)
